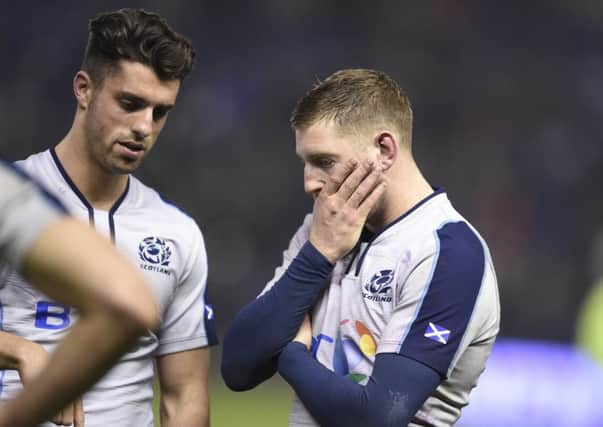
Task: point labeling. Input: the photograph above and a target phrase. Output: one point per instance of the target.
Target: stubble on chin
(121, 166)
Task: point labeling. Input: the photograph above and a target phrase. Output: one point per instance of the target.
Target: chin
(122, 167)
(129, 168)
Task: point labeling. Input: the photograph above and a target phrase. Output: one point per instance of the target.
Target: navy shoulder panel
(449, 301)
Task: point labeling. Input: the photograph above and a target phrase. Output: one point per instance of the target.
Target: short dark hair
(356, 100)
(139, 36)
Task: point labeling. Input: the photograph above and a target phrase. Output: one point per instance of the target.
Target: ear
(388, 149)
(82, 89)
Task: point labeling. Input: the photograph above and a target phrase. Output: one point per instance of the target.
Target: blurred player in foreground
(385, 307)
(68, 261)
(132, 71)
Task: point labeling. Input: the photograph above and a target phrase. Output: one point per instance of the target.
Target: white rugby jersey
(168, 247)
(423, 287)
(25, 210)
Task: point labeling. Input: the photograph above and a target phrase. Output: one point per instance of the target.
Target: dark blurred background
(507, 98)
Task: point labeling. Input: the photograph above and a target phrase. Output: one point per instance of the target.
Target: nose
(143, 124)
(313, 182)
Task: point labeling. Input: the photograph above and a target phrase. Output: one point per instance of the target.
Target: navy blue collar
(83, 199)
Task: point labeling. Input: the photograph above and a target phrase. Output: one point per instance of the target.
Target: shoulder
(19, 177)
(147, 206)
(35, 162)
(12, 175)
(459, 240)
(436, 237)
(302, 234)
(436, 227)
(154, 203)
(454, 247)
(463, 273)
(42, 167)
(307, 224)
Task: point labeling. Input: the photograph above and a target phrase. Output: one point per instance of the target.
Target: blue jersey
(168, 247)
(424, 287)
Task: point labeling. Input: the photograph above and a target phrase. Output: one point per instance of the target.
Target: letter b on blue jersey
(51, 315)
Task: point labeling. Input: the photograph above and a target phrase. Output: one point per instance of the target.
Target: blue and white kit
(425, 288)
(167, 245)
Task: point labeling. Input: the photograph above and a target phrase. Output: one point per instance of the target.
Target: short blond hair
(356, 101)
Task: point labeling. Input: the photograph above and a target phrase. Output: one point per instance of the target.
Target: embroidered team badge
(378, 288)
(155, 254)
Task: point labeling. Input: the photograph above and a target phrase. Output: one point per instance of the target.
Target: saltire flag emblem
(437, 333)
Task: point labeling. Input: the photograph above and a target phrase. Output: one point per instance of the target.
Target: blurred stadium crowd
(507, 98)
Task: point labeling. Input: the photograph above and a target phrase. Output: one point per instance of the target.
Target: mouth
(131, 149)
(131, 145)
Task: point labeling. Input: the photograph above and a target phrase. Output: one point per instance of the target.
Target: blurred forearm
(74, 265)
(71, 371)
(115, 305)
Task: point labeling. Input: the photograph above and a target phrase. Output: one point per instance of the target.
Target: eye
(324, 163)
(129, 105)
(159, 113)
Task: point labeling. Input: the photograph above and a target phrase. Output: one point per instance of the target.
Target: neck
(406, 187)
(101, 188)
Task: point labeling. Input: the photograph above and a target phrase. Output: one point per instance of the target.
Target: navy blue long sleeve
(394, 393)
(260, 331)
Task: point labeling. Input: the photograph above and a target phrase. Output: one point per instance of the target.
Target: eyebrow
(136, 98)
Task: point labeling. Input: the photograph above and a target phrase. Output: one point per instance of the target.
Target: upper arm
(186, 370)
(438, 300)
(186, 332)
(188, 320)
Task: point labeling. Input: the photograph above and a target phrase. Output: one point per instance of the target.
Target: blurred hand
(33, 361)
(304, 335)
(341, 208)
(73, 414)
